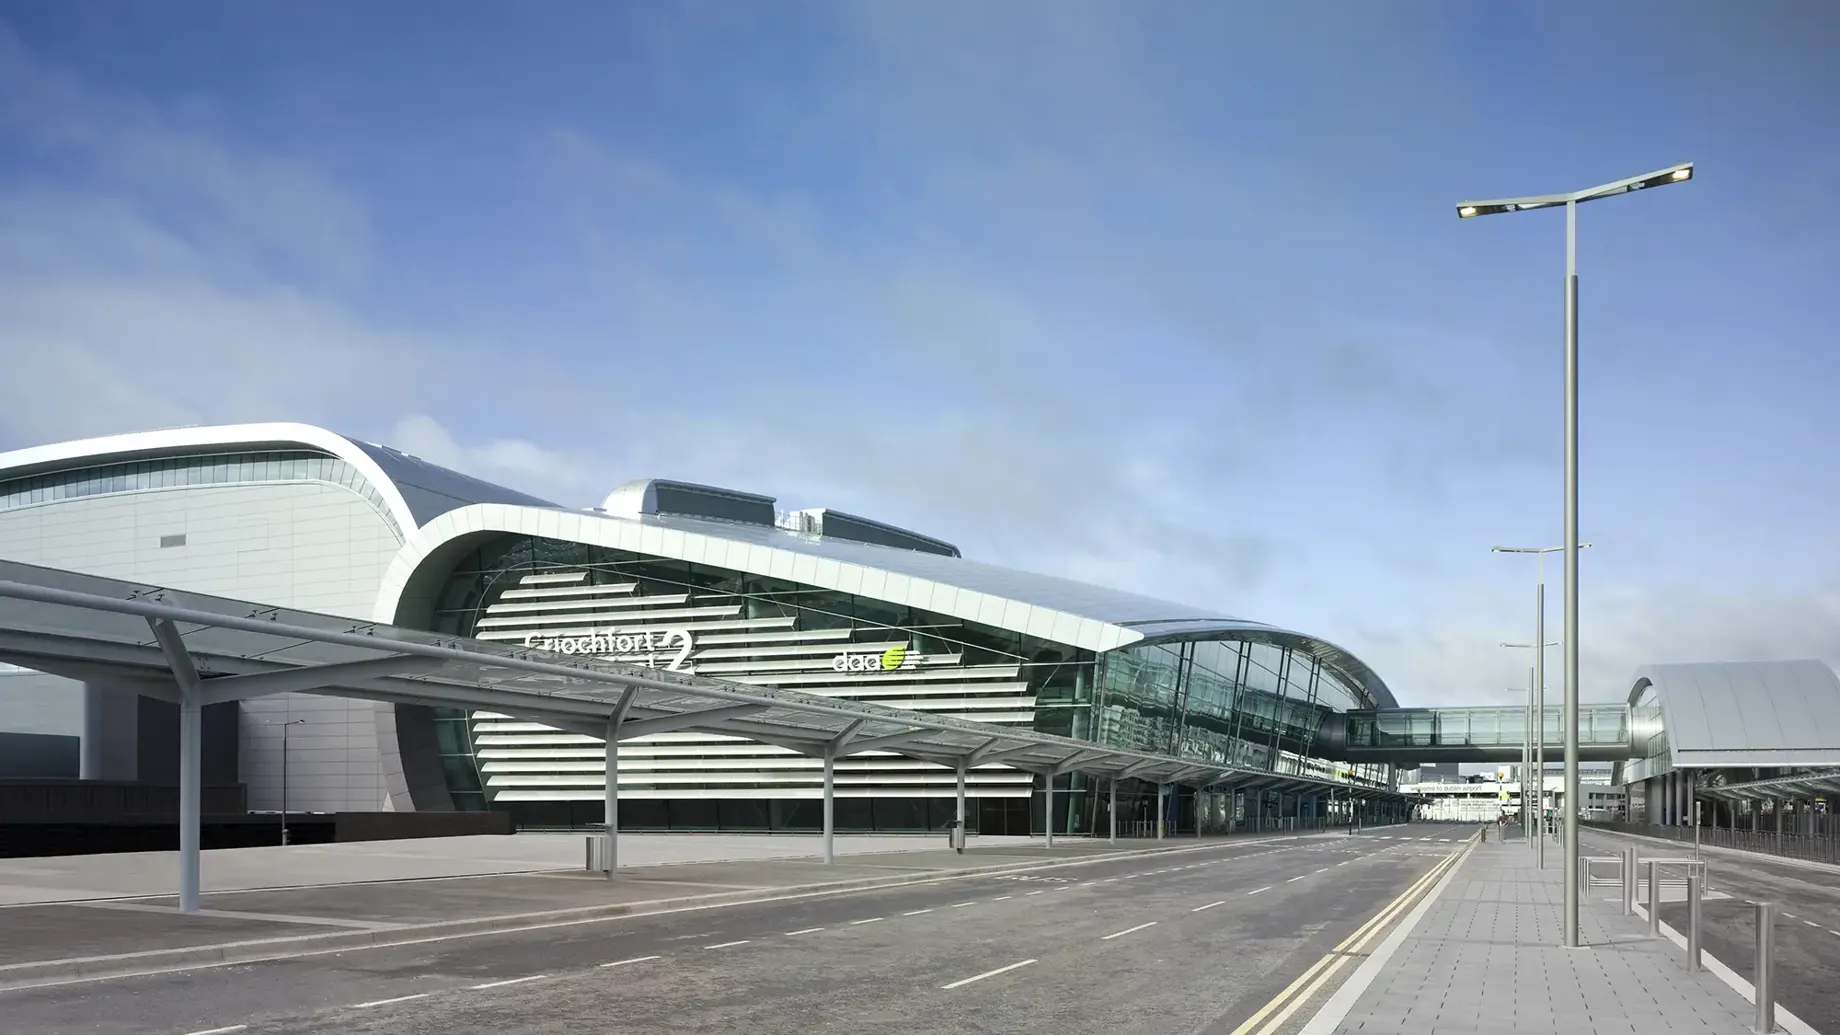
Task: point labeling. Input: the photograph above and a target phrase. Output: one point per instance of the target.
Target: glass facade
(179, 472)
(1251, 702)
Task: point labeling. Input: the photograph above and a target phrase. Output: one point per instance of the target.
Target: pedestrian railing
(1811, 847)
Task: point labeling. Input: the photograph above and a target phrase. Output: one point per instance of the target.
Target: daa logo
(891, 660)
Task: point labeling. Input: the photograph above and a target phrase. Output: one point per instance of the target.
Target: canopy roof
(148, 637)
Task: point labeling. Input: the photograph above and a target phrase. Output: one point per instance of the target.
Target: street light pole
(1468, 209)
(284, 775)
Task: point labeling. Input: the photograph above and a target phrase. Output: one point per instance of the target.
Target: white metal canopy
(196, 649)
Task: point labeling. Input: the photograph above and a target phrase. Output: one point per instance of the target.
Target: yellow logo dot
(893, 658)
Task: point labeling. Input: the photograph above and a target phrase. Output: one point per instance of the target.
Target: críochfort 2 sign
(646, 647)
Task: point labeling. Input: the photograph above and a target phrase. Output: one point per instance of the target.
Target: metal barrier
(1814, 848)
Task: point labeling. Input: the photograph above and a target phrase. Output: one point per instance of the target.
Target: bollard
(1766, 968)
(1654, 897)
(1693, 893)
(1629, 881)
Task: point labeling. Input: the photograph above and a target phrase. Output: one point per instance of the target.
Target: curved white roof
(1747, 713)
(415, 491)
(1056, 609)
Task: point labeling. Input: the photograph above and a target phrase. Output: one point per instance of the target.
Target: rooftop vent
(661, 497)
(835, 524)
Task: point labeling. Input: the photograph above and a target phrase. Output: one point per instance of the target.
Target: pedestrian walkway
(1485, 959)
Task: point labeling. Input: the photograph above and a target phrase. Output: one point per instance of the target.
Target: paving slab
(1485, 959)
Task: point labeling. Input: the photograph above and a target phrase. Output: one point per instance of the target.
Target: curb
(152, 961)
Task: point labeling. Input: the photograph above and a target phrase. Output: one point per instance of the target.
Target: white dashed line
(1128, 930)
(728, 945)
(986, 974)
(961, 905)
(386, 1002)
(219, 1031)
(802, 930)
(638, 959)
(1788, 916)
(1001, 898)
(916, 912)
(1265, 888)
(508, 981)
(1323, 870)
(1344, 862)
(1043, 891)
(1811, 923)
(1297, 878)
(866, 920)
(1210, 905)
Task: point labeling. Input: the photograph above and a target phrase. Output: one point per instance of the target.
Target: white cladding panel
(302, 544)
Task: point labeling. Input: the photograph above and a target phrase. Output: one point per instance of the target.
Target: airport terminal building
(666, 574)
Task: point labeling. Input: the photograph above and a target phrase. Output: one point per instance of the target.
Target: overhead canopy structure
(195, 650)
(1821, 783)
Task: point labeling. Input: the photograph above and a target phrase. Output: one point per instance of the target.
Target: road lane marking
(1128, 930)
(1297, 878)
(1344, 862)
(1043, 891)
(961, 905)
(728, 945)
(508, 981)
(987, 974)
(635, 959)
(867, 920)
(219, 1031)
(916, 912)
(804, 930)
(1265, 888)
(1001, 898)
(1811, 923)
(1320, 971)
(386, 1002)
(1210, 905)
(1323, 870)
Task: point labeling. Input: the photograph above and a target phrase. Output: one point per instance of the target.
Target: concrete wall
(299, 544)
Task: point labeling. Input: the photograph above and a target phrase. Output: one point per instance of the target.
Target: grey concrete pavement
(141, 874)
(1808, 932)
(1192, 941)
(1485, 959)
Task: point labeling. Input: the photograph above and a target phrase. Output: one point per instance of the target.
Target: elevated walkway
(1411, 736)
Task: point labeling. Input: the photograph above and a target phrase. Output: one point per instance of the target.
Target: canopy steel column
(1111, 812)
(1047, 781)
(830, 765)
(963, 764)
(191, 750)
(1161, 788)
(611, 811)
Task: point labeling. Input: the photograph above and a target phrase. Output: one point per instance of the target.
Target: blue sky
(1169, 296)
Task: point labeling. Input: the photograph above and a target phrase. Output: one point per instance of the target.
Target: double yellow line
(1312, 980)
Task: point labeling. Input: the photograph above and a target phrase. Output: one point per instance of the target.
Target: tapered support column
(1111, 813)
(611, 811)
(1048, 806)
(830, 767)
(191, 748)
(1161, 807)
(959, 812)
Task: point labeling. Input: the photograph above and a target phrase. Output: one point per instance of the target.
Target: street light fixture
(1536, 749)
(284, 774)
(1470, 209)
(1539, 678)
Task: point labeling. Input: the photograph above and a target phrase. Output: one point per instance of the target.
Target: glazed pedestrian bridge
(1407, 736)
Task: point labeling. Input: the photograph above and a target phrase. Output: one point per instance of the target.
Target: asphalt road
(1190, 942)
(1807, 932)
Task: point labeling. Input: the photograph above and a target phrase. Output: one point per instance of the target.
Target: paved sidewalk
(1485, 959)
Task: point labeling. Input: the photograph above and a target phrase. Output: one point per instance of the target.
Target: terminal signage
(894, 659)
(646, 647)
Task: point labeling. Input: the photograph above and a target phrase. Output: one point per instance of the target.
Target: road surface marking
(1064, 887)
(1786, 916)
(961, 905)
(868, 920)
(1811, 923)
(1128, 930)
(386, 1002)
(986, 974)
(508, 981)
(1344, 862)
(1265, 888)
(804, 930)
(1210, 905)
(219, 1031)
(635, 959)
(727, 945)
(1323, 870)
(1043, 891)
(916, 912)
(1297, 878)
(1000, 898)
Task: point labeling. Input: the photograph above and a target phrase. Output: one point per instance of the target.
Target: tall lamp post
(1536, 737)
(1468, 210)
(1539, 676)
(284, 774)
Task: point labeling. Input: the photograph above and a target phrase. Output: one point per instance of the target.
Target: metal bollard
(1693, 895)
(1766, 968)
(1654, 897)
(1629, 881)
